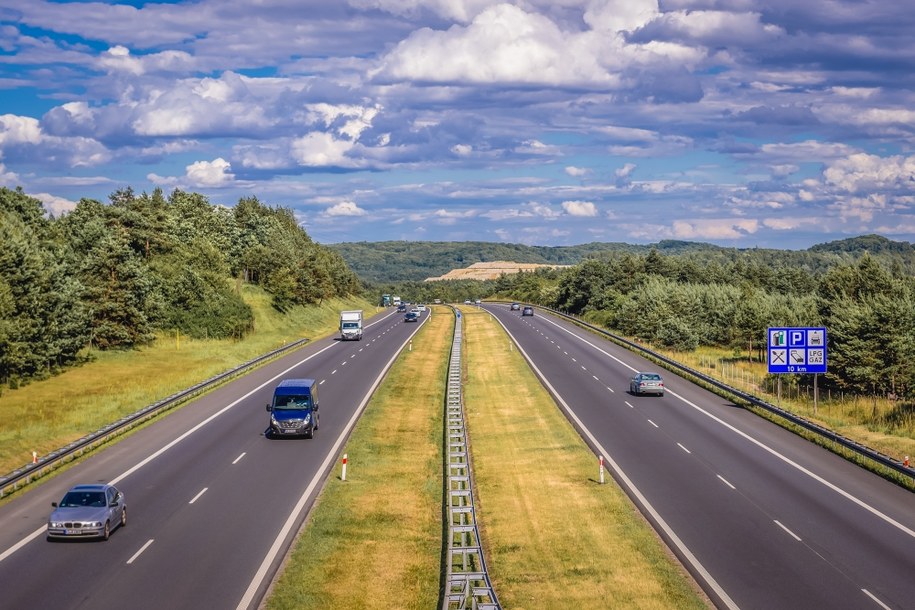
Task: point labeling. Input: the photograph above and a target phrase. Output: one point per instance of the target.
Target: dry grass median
(553, 536)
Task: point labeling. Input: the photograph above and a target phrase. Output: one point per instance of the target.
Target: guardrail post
(601, 470)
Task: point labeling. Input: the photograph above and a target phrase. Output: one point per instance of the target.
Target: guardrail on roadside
(46, 463)
(467, 577)
(824, 433)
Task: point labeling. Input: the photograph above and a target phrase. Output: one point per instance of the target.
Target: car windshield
(651, 377)
(350, 325)
(83, 498)
(292, 402)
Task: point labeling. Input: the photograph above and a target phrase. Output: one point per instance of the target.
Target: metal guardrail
(825, 434)
(47, 463)
(467, 578)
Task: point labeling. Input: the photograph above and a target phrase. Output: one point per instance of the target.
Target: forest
(112, 276)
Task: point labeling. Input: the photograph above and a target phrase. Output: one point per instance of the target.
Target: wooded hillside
(112, 275)
(399, 261)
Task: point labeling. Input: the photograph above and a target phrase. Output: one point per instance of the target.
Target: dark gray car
(88, 511)
(647, 383)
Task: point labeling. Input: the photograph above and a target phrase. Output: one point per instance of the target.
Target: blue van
(294, 410)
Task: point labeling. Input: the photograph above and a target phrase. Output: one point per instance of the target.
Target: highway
(760, 518)
(213, 505)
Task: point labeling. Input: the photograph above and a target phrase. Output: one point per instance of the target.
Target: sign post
(797, 350)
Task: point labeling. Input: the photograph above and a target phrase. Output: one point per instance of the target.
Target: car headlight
(307, 418)
(273, 421)
(55, 524)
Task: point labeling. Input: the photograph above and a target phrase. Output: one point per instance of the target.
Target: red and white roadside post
(343, 474)
(601, 470)
(35, 457)
(905, 462)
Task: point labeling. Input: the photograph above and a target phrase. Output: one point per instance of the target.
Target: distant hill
(872, 244)
(398, 261)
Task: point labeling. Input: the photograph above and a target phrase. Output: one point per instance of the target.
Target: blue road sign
(797, 350)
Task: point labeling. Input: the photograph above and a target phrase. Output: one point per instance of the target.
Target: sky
(742, 123)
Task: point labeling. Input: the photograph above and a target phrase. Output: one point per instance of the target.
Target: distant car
(437, 301)
(478, 301)
(421, 307)
(466, 301)
(515, 306)
(88, 511)
(402, 307)
(527, 311)
(411, 316)
(646, 383)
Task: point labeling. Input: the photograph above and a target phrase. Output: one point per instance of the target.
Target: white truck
(351, 325)
(396, 300)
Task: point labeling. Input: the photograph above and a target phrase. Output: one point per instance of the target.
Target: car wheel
(123, 516)
(310, 433)
(106, 534)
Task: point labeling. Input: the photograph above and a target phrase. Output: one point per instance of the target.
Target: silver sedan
(88, 511)
(646, 383)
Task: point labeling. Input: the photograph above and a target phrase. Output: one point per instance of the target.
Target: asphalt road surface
(760, 517)
(213, 505)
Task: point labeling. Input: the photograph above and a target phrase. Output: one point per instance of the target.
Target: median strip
(553, 536)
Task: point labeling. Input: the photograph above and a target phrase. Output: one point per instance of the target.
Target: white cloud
(577, 172)
(863, 172)
(318, 149)
(8, 179)
(118, 59)
(536, 147)
(19, 130)
(355, 119)
(860, 209)
(210, 173)
(462, 150)
(345, 208)
(503, 44)
(727, 228)
(228, 104)
(579, 208)
(457, 10)
(58, 206)
(625, 171)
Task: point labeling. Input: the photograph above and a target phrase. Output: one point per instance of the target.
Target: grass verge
(554, 537)
(46, 415)
(375, 540)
